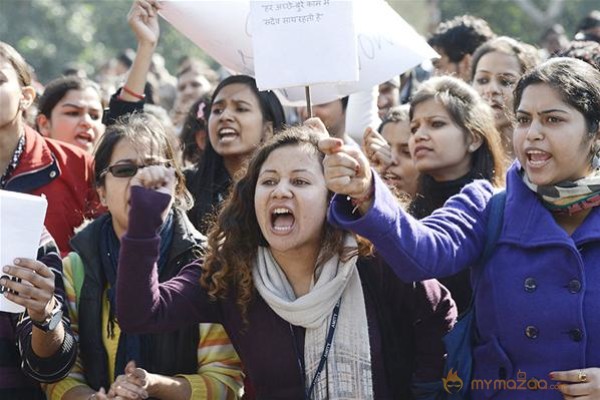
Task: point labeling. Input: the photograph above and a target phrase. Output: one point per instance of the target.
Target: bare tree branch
(540, 18)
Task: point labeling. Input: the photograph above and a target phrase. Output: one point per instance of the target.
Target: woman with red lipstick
(497, 65)
(70, 110)
(310, 314)
(537, 303)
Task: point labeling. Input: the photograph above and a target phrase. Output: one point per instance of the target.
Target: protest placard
(21, 224)
(301, 43)
(386, 44)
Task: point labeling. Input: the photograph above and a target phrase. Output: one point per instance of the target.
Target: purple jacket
(538, 301)
(419, 315)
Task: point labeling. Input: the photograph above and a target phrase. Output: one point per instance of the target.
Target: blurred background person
(70, 110)
(496, 68)
(455, 41)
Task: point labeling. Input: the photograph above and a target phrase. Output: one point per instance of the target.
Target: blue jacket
(538, 300)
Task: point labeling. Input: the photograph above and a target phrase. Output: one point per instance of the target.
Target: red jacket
(64, 174)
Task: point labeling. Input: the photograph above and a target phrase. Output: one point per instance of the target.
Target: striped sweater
(219, 373)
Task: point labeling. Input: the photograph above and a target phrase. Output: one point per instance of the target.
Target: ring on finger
(582, 376)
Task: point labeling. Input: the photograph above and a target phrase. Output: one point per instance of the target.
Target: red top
(64, 174)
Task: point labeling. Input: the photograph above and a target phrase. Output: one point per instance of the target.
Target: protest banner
(386, 44)
(301, 43)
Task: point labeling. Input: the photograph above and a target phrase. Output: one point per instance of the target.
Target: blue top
(538, 302)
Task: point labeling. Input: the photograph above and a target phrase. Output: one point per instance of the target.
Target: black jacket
(166, 353)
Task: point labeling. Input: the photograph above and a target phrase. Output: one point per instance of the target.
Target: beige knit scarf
(347, 374)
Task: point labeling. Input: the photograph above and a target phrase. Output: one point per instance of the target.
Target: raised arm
(143, 304)
(143, 21)
(449, 240)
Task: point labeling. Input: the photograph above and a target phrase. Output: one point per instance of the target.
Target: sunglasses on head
(127, 170)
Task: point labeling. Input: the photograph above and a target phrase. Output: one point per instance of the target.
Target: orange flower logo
(452, 382)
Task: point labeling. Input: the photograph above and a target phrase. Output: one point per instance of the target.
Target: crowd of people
(203, 241)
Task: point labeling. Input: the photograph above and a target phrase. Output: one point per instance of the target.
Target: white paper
(387, 45)
(301, 43)
(21, 225)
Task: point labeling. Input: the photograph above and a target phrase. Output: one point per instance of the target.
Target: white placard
(387, 45)
(302, 43)
(21, 225)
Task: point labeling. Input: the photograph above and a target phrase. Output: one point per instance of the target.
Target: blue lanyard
(324, 355)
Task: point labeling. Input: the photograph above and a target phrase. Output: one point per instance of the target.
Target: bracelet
(361, 200)
(134, 94)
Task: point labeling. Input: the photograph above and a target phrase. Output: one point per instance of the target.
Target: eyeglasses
(127, 170)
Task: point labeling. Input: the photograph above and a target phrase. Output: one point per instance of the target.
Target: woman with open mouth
(310, 314)
(70, 110)
(240, 118)
(536, 305)
(388, 152)
(180, 364)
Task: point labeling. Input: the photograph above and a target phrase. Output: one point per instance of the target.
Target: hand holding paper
(33, 287)
(21, 225)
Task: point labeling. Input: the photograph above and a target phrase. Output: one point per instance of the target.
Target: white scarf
(347, 374)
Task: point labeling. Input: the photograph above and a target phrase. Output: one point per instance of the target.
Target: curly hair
(234, 237)
(461, 36)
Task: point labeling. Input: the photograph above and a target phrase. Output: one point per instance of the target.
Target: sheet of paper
(302, 43)
(21, 224)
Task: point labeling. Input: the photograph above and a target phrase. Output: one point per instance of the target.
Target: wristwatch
(50, 323)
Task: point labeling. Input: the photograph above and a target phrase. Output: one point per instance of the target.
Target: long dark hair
(474, 117)
(210, 181)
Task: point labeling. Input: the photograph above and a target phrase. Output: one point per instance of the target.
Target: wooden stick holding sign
(327, 52)
(308, 104)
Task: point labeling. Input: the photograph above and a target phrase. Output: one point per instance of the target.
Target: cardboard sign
(21, 225)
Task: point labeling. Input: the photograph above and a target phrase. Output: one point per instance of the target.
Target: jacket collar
(529, 223)
(37, 154)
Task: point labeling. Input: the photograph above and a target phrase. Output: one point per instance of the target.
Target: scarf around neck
(568, 197)
(129, 346)
(347, 374)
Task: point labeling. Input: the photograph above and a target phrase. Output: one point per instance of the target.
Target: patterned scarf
(568, 197)
(347, 374)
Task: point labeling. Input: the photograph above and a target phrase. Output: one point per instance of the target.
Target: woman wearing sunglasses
(186, 363)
